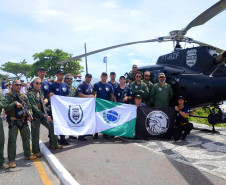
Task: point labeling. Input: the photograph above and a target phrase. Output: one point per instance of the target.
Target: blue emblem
(111, 116)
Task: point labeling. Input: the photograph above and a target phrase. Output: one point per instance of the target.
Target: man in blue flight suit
(85, 90)
(60, 88)
(112, 81)
(122, 93)
(105, 91)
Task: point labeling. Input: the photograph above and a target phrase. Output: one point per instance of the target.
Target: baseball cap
(122, 77)
(112, 73)
(138, 96)
(104, 74)
(180, 97)
(88, 75)
(162, 75)
(41, 68)
(60, 71)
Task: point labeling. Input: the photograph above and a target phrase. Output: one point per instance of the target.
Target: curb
(64, 176)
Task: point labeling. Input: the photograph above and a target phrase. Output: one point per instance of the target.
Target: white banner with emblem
(73, 116)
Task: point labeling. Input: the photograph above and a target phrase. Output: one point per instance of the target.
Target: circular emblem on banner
(157, 122)
(160, 89)
(75, 115)
(111, 116)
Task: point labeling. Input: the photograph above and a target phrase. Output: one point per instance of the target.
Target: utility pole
(86, 59)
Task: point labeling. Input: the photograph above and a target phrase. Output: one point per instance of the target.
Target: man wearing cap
(60, 88)
(105, 91)
(182, 126)
(139, 87)
(122, 93)
(161, 92)
(147, 77)
(112, 81)
(85, 90)
(138, 101)
(132, 74)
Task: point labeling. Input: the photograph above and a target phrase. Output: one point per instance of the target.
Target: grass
(203, 112)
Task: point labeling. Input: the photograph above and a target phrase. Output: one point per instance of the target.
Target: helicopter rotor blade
(204, 17)
(190, 40)
(159, 39)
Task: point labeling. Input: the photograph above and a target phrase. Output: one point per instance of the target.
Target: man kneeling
(182, 126)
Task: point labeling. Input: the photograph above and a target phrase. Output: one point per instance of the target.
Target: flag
(73, 116)
(155, 122)
(105, 59)
(116, 119)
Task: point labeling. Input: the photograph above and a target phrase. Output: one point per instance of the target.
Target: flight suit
(34, 97)
(3, 104)
(131, 76)
(141, 89)
(148, 99)
(73, 91)
(16, 122)
(161, 95)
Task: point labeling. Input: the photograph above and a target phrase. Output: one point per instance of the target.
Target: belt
(183, 123)
(14, 118)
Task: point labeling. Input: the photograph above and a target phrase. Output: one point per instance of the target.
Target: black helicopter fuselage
(194, 74)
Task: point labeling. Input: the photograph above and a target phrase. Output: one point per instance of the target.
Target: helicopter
(197, 73)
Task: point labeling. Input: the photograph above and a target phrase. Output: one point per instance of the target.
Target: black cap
(122, 77)
(180, 97)
(41, 68)
(112, 73)
(104, 74)
(88, 75)
(60, 71)
(137, 96)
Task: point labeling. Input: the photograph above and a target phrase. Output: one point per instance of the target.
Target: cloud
(134, 13)
(49, 12)
(110, 4)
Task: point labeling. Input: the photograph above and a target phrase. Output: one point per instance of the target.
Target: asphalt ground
(199, 160)
(27, 172)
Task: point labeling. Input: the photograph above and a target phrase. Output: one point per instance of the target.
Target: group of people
(35, 106)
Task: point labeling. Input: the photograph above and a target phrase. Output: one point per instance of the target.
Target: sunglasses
(138, 76)
(68, 78)
(18, 85)
(38, 83)
(134, 67)
(147, 75)
(161, 77)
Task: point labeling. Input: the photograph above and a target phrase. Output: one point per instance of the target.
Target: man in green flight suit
(17, 121)
(68, 80)
(3, 104)
(132, 74)
(34, 96)
(161, 92)
(139, 87)
(147, 77)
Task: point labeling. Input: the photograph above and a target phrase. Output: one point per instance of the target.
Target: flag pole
(86, 59)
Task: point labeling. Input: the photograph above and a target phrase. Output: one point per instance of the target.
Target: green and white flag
(73, 116)
(116, 119)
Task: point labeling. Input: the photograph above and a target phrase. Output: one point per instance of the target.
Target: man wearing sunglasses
(36, 97)
(161, 92)
(147, 80)
(131, 76)
(60, 88)
(17, 121)
(139, 87)
(68, 80)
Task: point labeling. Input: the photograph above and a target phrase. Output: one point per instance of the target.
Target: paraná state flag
(115, 119)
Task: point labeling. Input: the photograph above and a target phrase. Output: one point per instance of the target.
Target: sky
(28, 27)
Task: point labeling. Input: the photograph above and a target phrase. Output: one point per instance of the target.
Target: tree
(18, 69)
(49, 58)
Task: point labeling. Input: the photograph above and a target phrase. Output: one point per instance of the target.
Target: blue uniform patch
(85, 89)
(61, 89)
(121, 93)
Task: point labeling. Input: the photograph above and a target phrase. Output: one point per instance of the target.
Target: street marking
(42, 172)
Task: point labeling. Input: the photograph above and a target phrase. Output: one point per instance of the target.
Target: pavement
(27, 172)
(198, 160)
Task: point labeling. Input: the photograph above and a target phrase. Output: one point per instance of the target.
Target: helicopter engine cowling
(220, 58)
